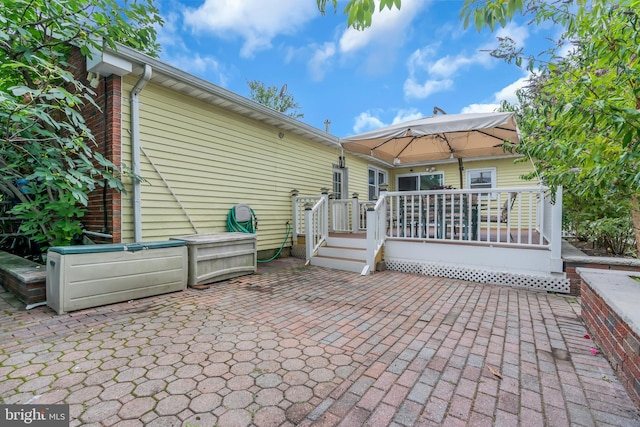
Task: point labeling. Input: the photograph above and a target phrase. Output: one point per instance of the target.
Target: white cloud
(255, 21)
(448, 65)
(414, 89)
(480, 108)
(176, 52)
(168, 33)
(429, 74)
(518, 33)
(387, 26)
(205, 66)
(507, 93)
(366, 121)
(406, 115)
(320, 61)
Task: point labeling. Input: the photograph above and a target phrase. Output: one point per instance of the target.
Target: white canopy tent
(449, 136)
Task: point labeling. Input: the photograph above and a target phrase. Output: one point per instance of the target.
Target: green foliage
(359, 12)
(580, 113)
(43, 136)
(603, 221)
(615, 234)
(275, 98)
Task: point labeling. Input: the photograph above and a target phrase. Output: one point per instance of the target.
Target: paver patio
(309, 346)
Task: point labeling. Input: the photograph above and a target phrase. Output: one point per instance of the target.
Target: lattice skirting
(299, 251)
(543, 283)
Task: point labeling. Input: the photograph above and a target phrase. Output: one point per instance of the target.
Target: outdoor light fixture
(341, 162)
(93, 79)
(281, 135)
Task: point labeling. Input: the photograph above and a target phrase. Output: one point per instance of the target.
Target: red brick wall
(108, 97)
(23, 278)
(574, 277)
(617, 341)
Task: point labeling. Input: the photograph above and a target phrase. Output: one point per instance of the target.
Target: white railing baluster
(471, 214)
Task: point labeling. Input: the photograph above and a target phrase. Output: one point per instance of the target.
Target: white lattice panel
(542, 283)
(299, 251)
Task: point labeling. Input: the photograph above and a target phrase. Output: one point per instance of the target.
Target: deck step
(342, 253)
(346, 242)
(356, 254)
(338, 263)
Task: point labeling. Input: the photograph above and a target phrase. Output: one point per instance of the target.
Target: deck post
(355, 213)
(294, 215)
(324, 230)
(556, 234)
(371, 237)
(308, 227)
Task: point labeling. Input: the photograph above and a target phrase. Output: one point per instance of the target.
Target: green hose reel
(242, 219)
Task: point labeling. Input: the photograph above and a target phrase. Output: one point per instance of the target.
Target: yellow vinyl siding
(214, 159)
(508, 173)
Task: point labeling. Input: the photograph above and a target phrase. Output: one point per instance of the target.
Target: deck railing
(518, 217)
(376, 233)
(509, 216)
(298, 204)
(316, 224)
(345, 215)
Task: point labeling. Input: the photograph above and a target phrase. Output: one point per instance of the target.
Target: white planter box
(220, 256)
(80, 277)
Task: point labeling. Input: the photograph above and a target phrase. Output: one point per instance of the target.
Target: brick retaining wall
(573, 259)
(616, 339)
(25, 279)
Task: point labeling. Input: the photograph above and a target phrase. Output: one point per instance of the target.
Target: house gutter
(135, 148)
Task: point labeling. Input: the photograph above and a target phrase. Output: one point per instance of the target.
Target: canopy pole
(460, 168)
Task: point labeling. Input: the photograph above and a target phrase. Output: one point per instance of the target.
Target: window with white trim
(482, 178)
(376, 177)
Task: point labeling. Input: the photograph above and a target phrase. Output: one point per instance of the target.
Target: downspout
(105, 135)
(135, 149)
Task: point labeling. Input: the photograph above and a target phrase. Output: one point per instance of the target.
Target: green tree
(580, 113)
(47, 158)
(271, 96)
(359, 12)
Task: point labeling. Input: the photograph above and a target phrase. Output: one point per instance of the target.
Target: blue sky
(408, 61)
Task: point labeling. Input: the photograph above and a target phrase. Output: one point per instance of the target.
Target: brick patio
(306, 346)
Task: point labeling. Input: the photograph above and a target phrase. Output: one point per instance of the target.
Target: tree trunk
(635, 214)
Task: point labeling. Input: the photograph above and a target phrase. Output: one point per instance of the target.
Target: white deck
(511, 237)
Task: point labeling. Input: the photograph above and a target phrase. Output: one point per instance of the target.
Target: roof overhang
(126, 60)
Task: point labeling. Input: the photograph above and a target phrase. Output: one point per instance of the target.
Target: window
(421, 181)
(376, 177)
(339, 189)
(482, 178)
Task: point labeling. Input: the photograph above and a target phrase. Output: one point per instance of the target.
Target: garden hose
(250, 227)
(234, 225)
